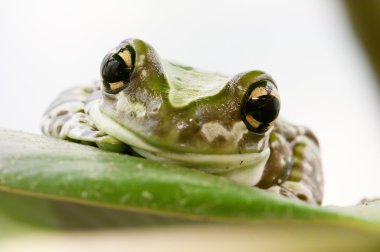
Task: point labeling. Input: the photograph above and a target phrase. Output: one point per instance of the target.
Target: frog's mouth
(245, 168)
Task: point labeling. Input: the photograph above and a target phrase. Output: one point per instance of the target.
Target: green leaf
(44, 169)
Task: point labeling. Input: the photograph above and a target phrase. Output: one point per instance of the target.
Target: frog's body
(173, 113)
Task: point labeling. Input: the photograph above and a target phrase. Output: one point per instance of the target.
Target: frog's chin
(245, 168)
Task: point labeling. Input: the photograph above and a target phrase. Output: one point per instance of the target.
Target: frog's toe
(294, 190)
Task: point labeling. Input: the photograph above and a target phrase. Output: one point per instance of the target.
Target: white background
(307, 46)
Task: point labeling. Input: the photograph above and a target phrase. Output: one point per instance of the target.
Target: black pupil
(264, 109)
(114, 69)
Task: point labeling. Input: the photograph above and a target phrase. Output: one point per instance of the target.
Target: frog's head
(158, 106)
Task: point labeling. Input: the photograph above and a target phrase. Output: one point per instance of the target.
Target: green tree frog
(169, 112)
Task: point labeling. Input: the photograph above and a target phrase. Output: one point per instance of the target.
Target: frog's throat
(245, 168)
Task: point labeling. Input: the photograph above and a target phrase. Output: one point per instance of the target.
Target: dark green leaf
(47, 168)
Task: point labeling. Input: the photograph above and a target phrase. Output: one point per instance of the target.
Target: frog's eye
(116, 69)
(261, 106)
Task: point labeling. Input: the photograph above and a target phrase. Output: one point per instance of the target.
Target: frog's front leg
(67, 118)
(294, 167)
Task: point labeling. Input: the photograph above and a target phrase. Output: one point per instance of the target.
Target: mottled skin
(177, 114)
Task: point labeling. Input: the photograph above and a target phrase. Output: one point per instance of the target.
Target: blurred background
(311, 48)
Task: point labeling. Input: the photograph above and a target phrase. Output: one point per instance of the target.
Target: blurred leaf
(54, 174)
(269, 237)
(365, 17)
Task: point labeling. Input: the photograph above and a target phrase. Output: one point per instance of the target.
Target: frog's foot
(305, 179)
(294, 190)
(294, 167)
(67, 118)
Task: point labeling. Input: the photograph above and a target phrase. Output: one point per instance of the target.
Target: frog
(227, 126)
